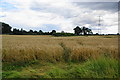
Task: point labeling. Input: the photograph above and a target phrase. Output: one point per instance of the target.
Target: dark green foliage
(84, 30)
(63, 34)
(6, 29)
(18, 65)
(11, 74)
(100, 68)
(40, 32)
(103, 67)
(16, 31)
(53, 32)
(78, 30)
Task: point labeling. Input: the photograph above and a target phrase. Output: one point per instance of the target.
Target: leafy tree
(53, 32)
(0, 27)
(78, 30)
(16, 31)
(96, 34)
(24, 32)
(62, 32)
(46, 33)
(40, 32)
(89, 31)
(30, 31)
(21, 30)
(35, 32)
(6, 29)
(84, 30)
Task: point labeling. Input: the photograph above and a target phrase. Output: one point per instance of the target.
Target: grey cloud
(67, 13)
(119, 6)
(107, 6)
(76, 19)
(85, 21)
(94, 0)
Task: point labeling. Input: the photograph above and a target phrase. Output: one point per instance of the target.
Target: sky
(62, 15)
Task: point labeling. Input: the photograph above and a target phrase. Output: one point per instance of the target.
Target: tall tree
(16, 31)
(77, 30)
(53, 32)
(6, 29)
(89, 31)
(40, 32)
(30, 31)
(0, 27)
(35, 32)
(84, 30)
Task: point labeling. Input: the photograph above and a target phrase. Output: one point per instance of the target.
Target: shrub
(63, 34)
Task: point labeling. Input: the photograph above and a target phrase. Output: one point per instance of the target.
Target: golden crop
(24, 48)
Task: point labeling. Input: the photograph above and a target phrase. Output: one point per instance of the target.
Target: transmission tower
(99, 25)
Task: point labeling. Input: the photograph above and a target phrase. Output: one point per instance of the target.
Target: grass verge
(103, 67)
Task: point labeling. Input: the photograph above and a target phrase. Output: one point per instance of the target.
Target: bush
(63, 34)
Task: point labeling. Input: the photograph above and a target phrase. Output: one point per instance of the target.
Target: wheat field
(25, 48)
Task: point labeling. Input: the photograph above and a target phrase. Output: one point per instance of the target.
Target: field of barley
(35, 56)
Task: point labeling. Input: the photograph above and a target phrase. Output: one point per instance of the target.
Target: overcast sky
(61, 16)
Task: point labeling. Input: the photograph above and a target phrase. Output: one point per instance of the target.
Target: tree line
(6, 29)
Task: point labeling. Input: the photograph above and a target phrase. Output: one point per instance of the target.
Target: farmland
(28, 56)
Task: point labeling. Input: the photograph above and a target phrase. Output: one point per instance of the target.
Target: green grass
(66, 52)
(101, 68)
(104, 67)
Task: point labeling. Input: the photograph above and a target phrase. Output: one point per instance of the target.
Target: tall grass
(81, 56)
(100, 68)
(17, 48)
(66, 53)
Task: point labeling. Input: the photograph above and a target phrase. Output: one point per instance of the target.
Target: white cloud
(64, 14)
